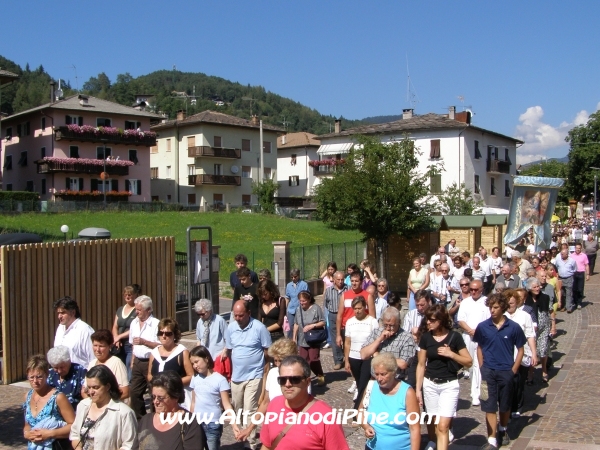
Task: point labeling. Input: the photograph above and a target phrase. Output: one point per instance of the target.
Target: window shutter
(80, 121)
(68, 120)
(139, 187)
(68, 183)
(139, 124)
(435, 149)
(81, 184)
(94, 184)
(127, 185)
(114, 185)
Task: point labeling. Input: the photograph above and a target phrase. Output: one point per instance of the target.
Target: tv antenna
(185, 96)
(411, 93)
(72, 66)
(251, 100)
(285, 124)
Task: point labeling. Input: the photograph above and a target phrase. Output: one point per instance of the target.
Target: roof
(214, 117)
(94, 104)
(428, 121)
(301, 139)
(464, 221)
(496, 219)
(7, 77)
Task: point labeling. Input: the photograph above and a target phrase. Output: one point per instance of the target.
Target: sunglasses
(463, 285)
(165, 333)
(293, 380)
(159, 398)
(474, 290)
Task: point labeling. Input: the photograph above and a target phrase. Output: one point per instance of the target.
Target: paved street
(557, 416)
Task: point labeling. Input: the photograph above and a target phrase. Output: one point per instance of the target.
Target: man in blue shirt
(292, 290)
(566, 268)
(497, 338)
(240, 261)
(247, 341)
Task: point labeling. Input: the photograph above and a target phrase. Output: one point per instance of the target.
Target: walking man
(581, 275)
(331, 301)
(566, 268)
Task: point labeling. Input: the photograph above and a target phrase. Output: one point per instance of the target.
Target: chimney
(83, 100)
(181, 114)
(283, 139)
(451, 111)
(52, 84)
(255, 121)
(338, 126)
(407, 113)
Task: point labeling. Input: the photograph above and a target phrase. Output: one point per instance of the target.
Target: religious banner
(531, 206)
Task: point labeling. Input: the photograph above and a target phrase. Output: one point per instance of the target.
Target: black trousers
(361, 371)
(578, 285)
(138, 386)
(592, 262)
(519, 389)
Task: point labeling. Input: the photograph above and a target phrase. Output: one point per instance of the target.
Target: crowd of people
(483, 317)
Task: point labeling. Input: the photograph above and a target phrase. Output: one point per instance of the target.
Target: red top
(348, 311)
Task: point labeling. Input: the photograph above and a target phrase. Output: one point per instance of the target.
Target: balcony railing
(215, 152)
(323, 170)
(498, 166)
(223, 180)
(90, 134)
(82, 165)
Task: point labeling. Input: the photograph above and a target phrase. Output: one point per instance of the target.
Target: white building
(210, 159)
(483, 160)
(295, 175)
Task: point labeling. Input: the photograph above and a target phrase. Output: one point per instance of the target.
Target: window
(130, 125)
(73, 151)
(476, 188)
(294, 180)
(19, 127)
(155, 198)
(8, 162)
(246, 199)
(134, 186)
(43, 152)
(293, 161)
(43, 124)
(73, 184)
(133, 156)
(496, 153)
(217, 141)
(27, 128)
(191, 141)
(103, 122)
(168, 145)
(266, 147)
(168, 171)
(43, 191)
(434, 152)
(492, 186)
(103, 152)
(154, 149)
(477, 152)
(100, 185)
(191, 169)
(9, 133)
(153, 172)
(435, 184)
(73, 120)
(23, 160)
(218, 200)
(267, 173)
(246, 145)
(9, 187)
(506, 157)
(507, 188)
(218, 169)
(191, 199)
(169, 198)
(29, 186)
(246, 172)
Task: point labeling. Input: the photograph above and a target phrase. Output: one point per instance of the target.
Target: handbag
(453, 366)
(314, 337)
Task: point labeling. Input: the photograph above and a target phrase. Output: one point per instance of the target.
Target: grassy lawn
(250, 234)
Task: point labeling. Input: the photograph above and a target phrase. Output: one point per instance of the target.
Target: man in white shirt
(471, 313)
(413, 318)
(445, 286)
(522, 264)
(441, 252)
(143, 334)
(490, 275)
(73, 332)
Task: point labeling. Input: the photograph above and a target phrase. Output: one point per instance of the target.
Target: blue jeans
(292, 320)
(411, 302)
(338, 354)
(213, 432)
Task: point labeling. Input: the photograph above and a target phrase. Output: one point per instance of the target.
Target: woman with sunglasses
(102, 420)
(163, 430)
(170, 355)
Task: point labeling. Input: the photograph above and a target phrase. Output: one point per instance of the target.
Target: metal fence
(312, 260)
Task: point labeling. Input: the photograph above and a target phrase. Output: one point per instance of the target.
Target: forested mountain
(381, 119)
(173, 91)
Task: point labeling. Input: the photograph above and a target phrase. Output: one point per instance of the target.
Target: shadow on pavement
(11, 420)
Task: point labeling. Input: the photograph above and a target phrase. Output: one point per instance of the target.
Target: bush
(19, 196)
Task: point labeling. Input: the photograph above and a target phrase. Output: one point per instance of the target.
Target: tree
(379, 192)
(584, 152)
(459, 201)
(265, 192)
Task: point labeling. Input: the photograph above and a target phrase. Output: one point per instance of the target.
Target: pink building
(61, 149)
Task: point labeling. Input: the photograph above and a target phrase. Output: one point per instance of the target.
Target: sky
(524, 68)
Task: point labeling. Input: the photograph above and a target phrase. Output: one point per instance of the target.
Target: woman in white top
(418, 278)
(102, 341)
(358, 329)
(327, 275)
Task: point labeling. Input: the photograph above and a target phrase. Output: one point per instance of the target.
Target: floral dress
(48, 418)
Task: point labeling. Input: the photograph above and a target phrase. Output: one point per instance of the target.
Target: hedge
(19, 196)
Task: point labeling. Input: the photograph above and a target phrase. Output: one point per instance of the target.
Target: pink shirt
(317, 436)
(581, 260)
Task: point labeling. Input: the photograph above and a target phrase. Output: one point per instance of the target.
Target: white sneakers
(352, 388)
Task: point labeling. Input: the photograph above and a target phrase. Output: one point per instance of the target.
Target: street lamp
(595, 190)
(65, 229)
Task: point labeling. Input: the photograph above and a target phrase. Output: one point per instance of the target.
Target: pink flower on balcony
(88, 161)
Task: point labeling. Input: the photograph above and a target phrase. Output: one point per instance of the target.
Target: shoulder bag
(314, 337)
(453, 366)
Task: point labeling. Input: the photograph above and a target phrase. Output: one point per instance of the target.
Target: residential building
(295, 173)
(62, 148)
(211, 159)
(484, 160)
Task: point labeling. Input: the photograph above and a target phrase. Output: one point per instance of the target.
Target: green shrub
(19, 196)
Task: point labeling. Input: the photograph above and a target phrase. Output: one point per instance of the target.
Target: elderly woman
(123, 318)
(546, 322)
(272, 308)
(66, 376)
(418, 278)
(102, 421)
(170, 355)
(102, 340)
(48, 413)
(309, 317)
(210, 331)
(393, 397)
(155, 432)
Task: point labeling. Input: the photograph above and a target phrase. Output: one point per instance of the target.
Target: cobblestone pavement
(559, 415)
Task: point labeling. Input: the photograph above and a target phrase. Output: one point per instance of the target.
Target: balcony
(323, 170)
(325, 166)
(222, 180)
(82, 165)
(498, 166)
(214, 152)
(108, 135)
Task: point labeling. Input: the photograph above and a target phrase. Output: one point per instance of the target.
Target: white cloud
(540, 137)
(531, 157)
